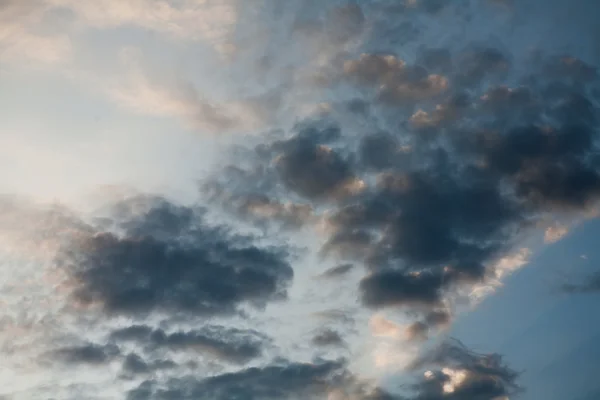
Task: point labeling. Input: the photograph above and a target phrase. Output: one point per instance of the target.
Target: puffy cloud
(314, 171)
(283, 381)
(327, 337)
(555, 233)
(397, 83)
(168, 259)
(337, 271)
(444, 194)
(21, 39)
(454, 372)
(86, 354)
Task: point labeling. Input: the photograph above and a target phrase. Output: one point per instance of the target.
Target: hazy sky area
(299, 200)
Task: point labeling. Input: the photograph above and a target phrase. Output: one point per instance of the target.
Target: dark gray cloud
(167, 258)
(293, 381)
(453, 372)
(392, 288)
(89, 353)
(448, 372)
(225, 344)
(327, 338)
(337, 271)
(450, 184)
(312, 170)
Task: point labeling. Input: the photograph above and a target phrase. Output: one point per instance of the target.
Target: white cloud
(502, 270)
(555, 233)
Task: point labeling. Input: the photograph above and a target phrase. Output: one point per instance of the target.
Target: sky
(268, 200)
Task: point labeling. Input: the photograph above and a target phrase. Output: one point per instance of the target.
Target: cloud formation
(228, 345)
(458, 373)
(22, 43)
(167, 259)
(406, 155)
(474, 153)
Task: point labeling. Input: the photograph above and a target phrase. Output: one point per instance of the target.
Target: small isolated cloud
(397, 83)
(338, 271)
(555, 233)
(327, 338)
(454, 372)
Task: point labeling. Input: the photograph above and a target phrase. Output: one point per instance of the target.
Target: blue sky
(343, 200)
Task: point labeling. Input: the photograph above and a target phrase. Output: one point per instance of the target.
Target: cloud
(445, 194)
(458, 373)
(422, 162)
(314, 171)
(212, 22)
(591, 284)
(392, 289)
(22, 42)
(284, 381)
(213, 342)
(168, 259)
(326, 338)
(555, 233)
(90, 354)
(146, 94)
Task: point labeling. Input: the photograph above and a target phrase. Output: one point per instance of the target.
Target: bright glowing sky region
(302, 199)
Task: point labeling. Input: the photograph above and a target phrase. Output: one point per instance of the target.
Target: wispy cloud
(23, 38)
(211, 21)
(142, 92)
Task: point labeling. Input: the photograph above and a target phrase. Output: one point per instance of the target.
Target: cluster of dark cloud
(480, 377)
(224, 344)
(456, 373)
(457, 153)
(158, 256)
(466, 163)
(155, 348)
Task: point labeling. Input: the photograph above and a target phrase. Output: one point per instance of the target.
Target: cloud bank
(390, 160)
